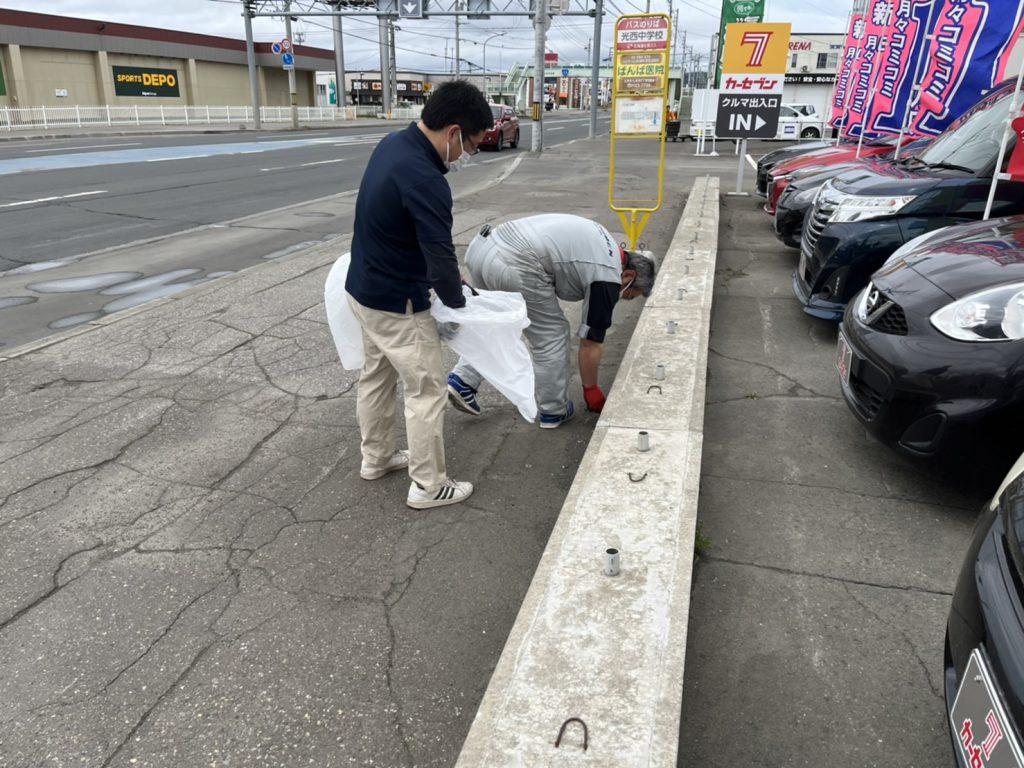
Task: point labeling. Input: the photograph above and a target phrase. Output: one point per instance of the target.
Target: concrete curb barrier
(610, 650)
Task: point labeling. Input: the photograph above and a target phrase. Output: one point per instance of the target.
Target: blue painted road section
(156, 154)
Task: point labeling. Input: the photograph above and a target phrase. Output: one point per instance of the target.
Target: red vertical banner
(847, 68)
(877, 21)
(1016, 165)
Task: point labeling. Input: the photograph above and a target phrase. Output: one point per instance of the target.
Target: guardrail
(598, 654)
(15, 118)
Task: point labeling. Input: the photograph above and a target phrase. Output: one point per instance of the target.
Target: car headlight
(863, 208)
(995, 314)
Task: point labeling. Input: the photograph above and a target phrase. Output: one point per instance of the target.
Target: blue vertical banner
(968, 54)
(901, 63)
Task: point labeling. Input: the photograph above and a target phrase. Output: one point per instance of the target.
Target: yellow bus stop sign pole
(639, 106)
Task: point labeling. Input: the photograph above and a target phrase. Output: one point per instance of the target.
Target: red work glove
(594, 397)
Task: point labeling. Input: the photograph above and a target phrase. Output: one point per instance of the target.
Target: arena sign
(142, 81)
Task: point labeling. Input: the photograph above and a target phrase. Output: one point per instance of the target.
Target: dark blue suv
(861, 216)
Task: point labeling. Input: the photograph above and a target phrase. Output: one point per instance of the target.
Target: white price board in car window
(639, 114)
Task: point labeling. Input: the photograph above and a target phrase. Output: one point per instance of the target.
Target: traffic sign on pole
(288, 61)
(565, 71)
(276, 49)
(410, 9)
(286, 44)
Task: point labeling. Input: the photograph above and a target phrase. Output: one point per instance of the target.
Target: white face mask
(459, 162)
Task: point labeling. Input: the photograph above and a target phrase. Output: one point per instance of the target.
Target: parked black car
(768, 161)
(932, 350)
(863, 215)
(984, 658)
(798, 197)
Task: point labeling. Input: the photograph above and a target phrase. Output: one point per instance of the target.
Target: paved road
(139, 217)
(195, 575)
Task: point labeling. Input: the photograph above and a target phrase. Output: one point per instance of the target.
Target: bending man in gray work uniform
(546, 258)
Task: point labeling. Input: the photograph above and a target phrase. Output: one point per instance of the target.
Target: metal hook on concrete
(561, 732)
(655, 386)
(636, 479)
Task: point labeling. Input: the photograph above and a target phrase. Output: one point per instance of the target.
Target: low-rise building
(50, 60)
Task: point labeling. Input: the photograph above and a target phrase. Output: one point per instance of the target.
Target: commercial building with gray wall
(59, 61)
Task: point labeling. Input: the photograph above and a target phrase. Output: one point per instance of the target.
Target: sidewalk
(194, 572)
(152, 129)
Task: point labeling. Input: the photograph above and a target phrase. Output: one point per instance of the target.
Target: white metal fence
(12, 119)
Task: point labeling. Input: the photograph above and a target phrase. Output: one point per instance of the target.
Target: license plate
(978, 718)
(844, 357)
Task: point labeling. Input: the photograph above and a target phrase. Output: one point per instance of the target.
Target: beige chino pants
(407, 348)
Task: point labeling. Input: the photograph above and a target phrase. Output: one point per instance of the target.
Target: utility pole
(540, 23)
(250, 54)
(595, 68)
(385, 65)
(394, 62)
(458, 61)
(292, 90)
(339, 63)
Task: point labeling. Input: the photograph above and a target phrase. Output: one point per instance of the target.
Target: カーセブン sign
(142, 81)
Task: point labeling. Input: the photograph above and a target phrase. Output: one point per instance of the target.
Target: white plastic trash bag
(490, 338)
(348, 335)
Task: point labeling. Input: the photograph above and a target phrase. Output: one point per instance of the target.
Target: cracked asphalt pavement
(818, 614)
(193, 572)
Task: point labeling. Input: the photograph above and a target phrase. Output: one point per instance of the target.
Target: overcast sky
(426, 44)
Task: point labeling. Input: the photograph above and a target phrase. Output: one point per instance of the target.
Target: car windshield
(496, 112)
(974, 143)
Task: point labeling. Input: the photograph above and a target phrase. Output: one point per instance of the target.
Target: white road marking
(325, 162)
(304, 135)
(752, 163)
(557, 128)
(51, 199)
(182, 157)
(94, 146)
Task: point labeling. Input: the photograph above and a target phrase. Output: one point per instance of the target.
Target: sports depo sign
(141, 81)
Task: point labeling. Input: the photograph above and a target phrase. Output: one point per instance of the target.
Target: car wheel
(810, 133)
(515, 142)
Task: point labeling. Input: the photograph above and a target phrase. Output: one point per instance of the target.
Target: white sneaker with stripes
(398, 460)
(450, 492)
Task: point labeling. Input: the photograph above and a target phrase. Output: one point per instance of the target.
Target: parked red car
(505, 130)
(779, 176)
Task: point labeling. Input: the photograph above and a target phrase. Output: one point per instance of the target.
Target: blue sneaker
(553, 421)
(462, 396)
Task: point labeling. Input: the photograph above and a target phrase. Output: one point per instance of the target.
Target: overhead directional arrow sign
(410, 9)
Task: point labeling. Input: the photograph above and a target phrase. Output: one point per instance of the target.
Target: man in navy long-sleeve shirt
(402, 247)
